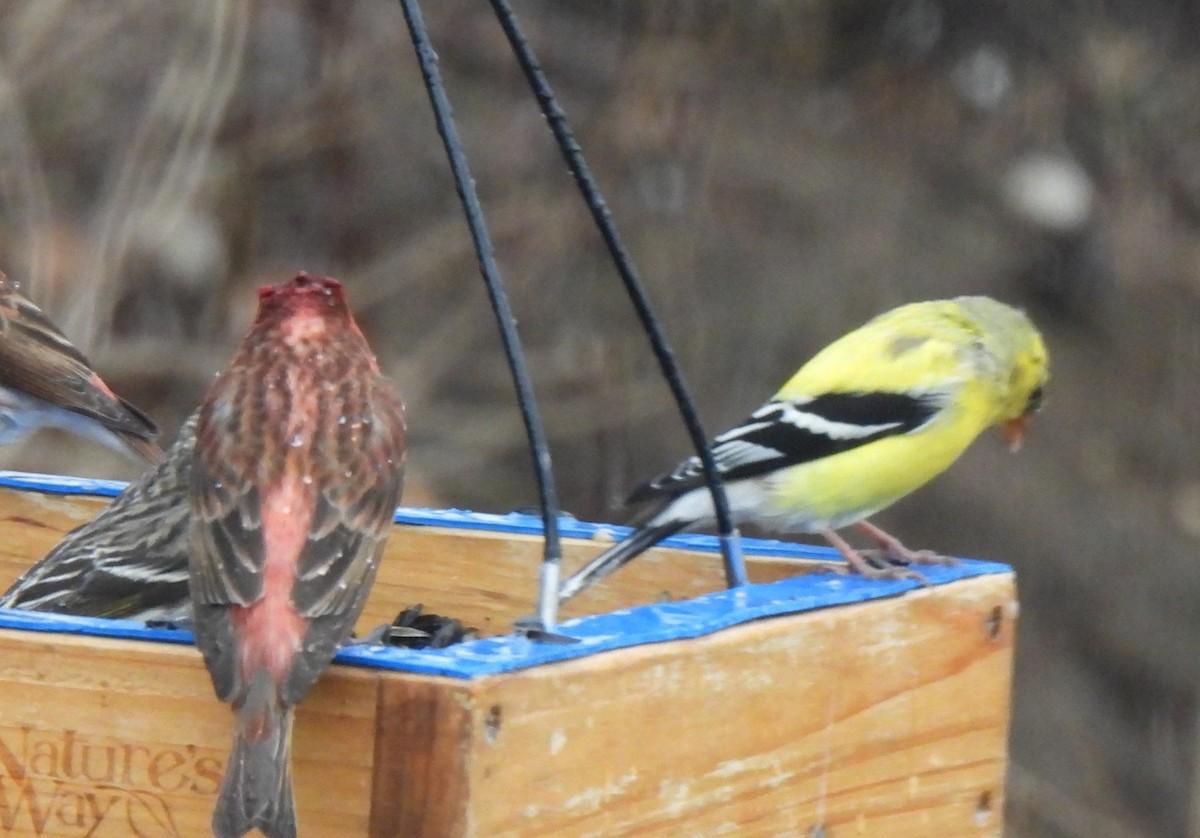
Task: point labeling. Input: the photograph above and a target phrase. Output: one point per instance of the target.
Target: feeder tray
(804, 704)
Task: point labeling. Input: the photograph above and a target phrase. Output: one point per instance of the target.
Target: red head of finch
(297, 473)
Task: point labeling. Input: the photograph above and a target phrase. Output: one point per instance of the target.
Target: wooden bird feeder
(805, 705)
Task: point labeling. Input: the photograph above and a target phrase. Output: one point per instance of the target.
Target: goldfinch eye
(1035, 400)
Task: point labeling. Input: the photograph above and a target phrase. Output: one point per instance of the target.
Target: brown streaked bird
(45, 382)
(129, 562)
(296, 476)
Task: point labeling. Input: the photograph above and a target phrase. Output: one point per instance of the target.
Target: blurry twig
(162, 168)
(46, 22)
(23, 178)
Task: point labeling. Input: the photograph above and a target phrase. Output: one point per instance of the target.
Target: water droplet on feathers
(297, 441)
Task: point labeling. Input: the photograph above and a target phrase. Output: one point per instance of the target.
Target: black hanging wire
(552, 548)
(735, 570)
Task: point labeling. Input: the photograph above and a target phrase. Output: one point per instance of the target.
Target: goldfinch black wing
(789, 432)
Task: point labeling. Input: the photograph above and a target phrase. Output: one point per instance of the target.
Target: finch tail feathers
(147, 449)
(615, 557)
(257, 789)
(140, 440)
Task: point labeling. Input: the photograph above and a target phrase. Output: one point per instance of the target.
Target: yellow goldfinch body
(932, 350)
(872, 417)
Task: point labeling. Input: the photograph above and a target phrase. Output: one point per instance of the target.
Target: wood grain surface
(886, 718)
(486, 579)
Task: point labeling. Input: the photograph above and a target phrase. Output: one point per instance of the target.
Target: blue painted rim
(600, 633)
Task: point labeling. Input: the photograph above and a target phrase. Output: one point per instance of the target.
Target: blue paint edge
(600, 633)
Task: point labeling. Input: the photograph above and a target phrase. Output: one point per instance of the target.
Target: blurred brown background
(782, 171)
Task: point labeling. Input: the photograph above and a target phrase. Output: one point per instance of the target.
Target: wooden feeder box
(802, 705)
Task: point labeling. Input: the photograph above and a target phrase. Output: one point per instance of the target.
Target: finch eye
(1035, 400)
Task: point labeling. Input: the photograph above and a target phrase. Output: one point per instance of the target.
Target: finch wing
(131, 560)
(351, 522)
(362, 472)
(785, 433)
(226, 532)
(37, 359)
(227, 555)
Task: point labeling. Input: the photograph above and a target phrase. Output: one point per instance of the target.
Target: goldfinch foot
(892, 550)
(859, 563)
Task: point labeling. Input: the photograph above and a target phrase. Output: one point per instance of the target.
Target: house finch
(45, 382)
(130, 561)
(296, 476)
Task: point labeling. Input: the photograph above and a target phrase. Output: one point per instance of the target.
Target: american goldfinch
(872, 417)
(45, 382)
(298, 467)
(129, 562)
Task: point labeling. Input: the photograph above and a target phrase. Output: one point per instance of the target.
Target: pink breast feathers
(272, 630)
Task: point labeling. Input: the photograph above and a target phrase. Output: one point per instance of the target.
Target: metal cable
(552, 550)
(735, 570)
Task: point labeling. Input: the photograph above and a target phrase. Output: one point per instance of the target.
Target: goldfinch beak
(1013, 432)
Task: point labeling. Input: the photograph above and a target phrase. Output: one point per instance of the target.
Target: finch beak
(1013, 432)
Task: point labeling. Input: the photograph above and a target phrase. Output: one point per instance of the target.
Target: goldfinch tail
(257, 789)
(619, 555)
